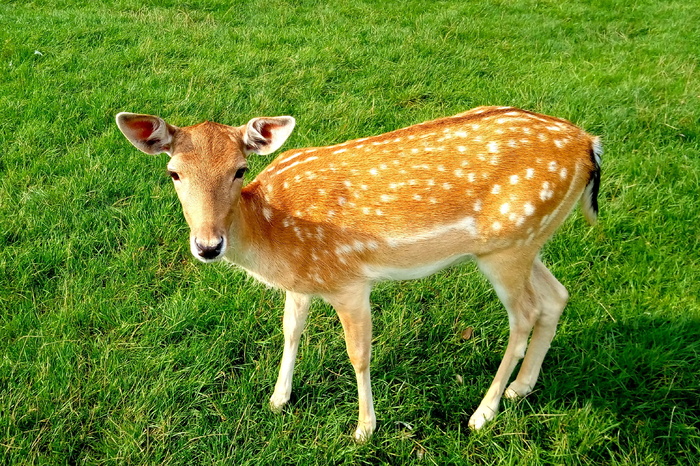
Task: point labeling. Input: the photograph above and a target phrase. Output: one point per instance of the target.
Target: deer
(490, 185)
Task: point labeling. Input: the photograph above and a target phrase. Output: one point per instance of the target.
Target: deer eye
(173, 175)
(240, 172)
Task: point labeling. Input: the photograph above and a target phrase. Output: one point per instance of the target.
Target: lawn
(118, 347)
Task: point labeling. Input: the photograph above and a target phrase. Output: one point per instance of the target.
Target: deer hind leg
(296, 309)
(551, 300)
(353, 309)
(510, 273)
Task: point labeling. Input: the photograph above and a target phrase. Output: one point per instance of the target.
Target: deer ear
(148, 133)
(265, 135)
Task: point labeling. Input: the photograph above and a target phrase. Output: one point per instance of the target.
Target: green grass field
(117, 347)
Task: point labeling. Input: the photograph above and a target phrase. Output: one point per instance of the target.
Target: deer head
(207, 165)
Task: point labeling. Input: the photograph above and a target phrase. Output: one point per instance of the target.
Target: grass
(118, 348)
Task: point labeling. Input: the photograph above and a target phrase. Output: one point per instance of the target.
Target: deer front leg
(296, 308)
(353, 310)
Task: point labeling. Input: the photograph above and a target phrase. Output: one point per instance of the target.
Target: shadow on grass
(618, 392)
(644, 373)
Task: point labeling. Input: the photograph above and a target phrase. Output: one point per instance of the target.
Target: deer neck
(252, 239)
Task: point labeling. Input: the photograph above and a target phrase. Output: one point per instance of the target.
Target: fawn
(491, 184)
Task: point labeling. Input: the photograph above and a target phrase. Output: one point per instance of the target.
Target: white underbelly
(380, 273)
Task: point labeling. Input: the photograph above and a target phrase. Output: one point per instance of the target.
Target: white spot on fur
(310, 159)
(446, 186)
(477, 205)
(297, 231)
(291, 157)
(552, 166)
(496, 226)
(563, 173)
(342, 201)
(373, 171)
(267, 213)
(505, 208)
(358, 246)
(546, 193)
(496, 189)
(458, 173)
(513, 179)
(529, 173)
(529, 209)
(343, 249)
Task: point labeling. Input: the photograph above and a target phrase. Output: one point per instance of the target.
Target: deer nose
(209, 251)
